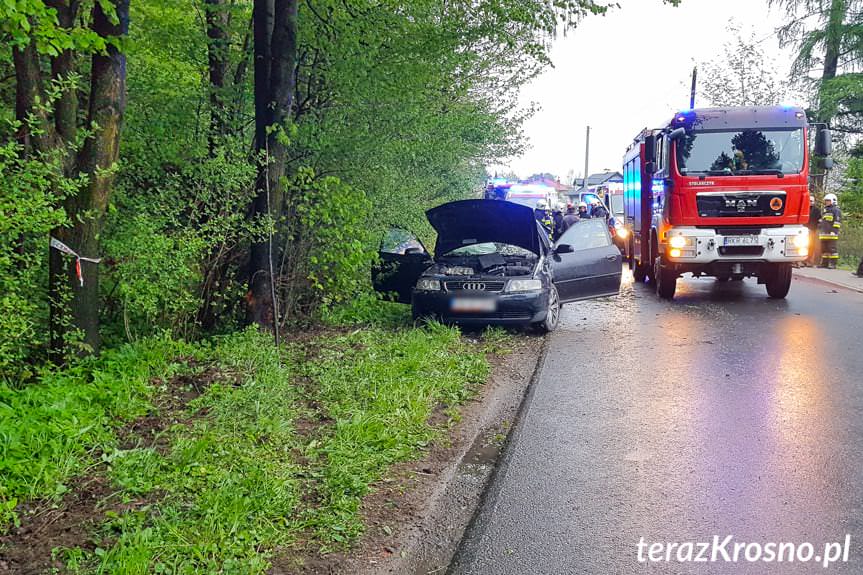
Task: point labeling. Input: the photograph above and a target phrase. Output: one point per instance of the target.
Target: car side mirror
(413, 250)
(823, 142)
(563, 249)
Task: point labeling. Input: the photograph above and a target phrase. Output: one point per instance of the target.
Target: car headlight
(523, 285)
(622, 233)
(428, 284)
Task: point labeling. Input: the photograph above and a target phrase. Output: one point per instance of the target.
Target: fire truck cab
(720, 192)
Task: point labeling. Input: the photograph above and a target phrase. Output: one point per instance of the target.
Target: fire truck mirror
(676, 134)
(823, 142)
(650, 167)
(827, 163)
(650, 151)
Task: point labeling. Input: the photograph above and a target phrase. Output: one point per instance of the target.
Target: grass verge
(50, 431)
(274, 456)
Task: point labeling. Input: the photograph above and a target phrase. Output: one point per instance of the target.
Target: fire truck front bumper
(692, 247)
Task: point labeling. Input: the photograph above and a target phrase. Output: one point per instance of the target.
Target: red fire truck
(721, 192)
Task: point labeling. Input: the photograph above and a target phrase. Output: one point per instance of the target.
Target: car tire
(722, 279)
(778, 281)
(666, 280)
(552, 316)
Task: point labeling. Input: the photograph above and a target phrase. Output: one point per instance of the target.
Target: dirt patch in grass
(70, 522)
(400, 510)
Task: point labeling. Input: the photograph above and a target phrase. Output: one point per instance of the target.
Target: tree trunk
(97, 159)
(832, 47)
(218, 20)
(275, 61)
(30, 102)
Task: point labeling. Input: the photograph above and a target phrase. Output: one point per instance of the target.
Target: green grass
(380, 389)
(49, 431)
(851, 243)
(243, 475)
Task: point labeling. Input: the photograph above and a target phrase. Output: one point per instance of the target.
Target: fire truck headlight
(681, 242)
(797, 245)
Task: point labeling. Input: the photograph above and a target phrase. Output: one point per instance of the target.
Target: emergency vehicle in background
(721, 192)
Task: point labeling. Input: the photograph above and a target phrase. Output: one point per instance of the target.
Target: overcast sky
(625, 71)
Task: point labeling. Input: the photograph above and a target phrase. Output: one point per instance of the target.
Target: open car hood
(469, 222)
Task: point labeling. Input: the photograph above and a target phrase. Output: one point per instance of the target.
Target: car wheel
(552, 316)
(666, 280)
(778, 281)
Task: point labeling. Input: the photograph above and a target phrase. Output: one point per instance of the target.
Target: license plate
(741, 241)
(472, 304)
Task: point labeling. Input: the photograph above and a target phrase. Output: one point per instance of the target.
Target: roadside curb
(826, 281)
(488, 501)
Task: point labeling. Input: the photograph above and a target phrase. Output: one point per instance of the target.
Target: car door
(403, 258)
(585, 263)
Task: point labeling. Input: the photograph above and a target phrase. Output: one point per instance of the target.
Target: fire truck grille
(740, 205)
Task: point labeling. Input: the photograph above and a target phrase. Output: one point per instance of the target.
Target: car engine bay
(493, 264)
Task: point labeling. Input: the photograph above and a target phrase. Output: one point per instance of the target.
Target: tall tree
(49, 127)
(743, 75)
(275, 53)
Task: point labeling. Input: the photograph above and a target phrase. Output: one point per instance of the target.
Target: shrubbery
(31, 198)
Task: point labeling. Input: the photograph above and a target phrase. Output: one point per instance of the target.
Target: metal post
(586, 158)
(692, 94)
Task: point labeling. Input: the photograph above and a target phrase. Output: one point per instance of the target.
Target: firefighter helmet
(830, 198)
(542, 205)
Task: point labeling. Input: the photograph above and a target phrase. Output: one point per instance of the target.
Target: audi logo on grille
(474, 286)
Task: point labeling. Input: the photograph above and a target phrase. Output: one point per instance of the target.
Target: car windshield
(489, 248)
(743, 152)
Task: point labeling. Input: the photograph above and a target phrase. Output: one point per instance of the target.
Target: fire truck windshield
(743, 152)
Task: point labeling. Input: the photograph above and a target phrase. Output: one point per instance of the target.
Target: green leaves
(33, 21)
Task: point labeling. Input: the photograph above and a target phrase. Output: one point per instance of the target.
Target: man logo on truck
(741, 204)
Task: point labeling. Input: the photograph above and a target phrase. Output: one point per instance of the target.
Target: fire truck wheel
(778, 281)
(666, 280)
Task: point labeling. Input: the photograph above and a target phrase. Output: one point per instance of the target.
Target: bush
(174, 247)
(31, 197)
(851, 242)
(329, 245)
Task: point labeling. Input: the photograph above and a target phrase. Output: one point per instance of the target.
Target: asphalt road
(720, 413)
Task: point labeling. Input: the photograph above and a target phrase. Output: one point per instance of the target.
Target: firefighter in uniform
(544, 217)
(828, 232)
